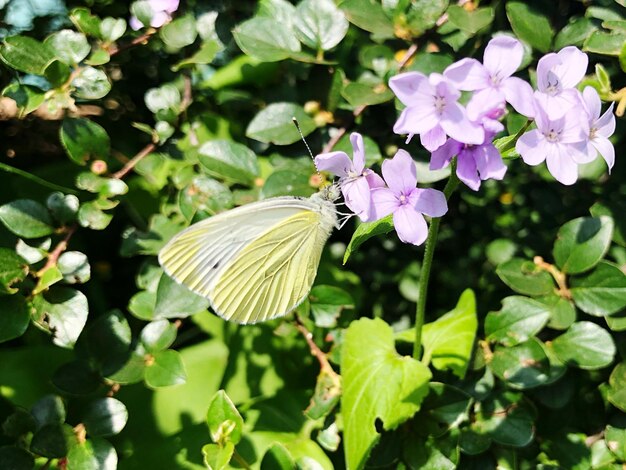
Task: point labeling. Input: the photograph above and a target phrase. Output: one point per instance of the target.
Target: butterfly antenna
(295, 122)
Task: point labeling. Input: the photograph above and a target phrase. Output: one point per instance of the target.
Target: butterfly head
(330, 192)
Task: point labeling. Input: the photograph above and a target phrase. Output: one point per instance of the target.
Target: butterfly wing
(255, 262)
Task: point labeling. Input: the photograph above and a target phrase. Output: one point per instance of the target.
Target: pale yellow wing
(274, 273)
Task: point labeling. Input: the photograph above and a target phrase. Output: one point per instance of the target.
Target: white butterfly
(255, 262)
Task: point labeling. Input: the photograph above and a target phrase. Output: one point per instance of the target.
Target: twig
(135, 42)
(53, 257)
(315, 350)
(411, 51)
(187, 93)
(558, 276)
(133, 161)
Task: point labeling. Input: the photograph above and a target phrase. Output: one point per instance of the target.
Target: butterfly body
(255, 262)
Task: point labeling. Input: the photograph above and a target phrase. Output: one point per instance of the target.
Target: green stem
(431, 242)
(35, 179)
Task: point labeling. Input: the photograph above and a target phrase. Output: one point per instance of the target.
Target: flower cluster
(569, 129)
(371, 197)
(161, 13)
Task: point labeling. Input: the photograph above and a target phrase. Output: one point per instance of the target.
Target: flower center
(592, 133)
(495, 80)
(553, 135)
(403, 199)
(554, 86)
(440, 103)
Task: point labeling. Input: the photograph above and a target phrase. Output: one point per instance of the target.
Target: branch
(148, 149)
(53, 257)
(135, 42)
(315, 350)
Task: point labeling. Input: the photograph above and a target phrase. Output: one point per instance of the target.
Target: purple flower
(557, 75)
(561, 142)
(600, 128)
(406, 202)
(354, 179)
(492, 81)
(161, 13)
(432, 110)
(474, 162)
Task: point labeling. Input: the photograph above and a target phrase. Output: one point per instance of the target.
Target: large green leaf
(617, 387)
(93, 454)
(378, 384)
(471, 21)
(14, 317)
(525, 277)
(585, 345)
(530, 25)
(165, 369)
(523, 366)
(224, 421)
(266, 39)
(369, 15)
(13, 269)
(581, 243)
(105, 417)
(229, 160)
(84, 139)
(69, 46)
(448, 341)
(519, 319)
(26, 218)
(365, 231)
(179, 33)
(64, 312)
(506, 419)
(176, 301)
(320, 24)
(274, 124)
(602, 291)
(26, 54)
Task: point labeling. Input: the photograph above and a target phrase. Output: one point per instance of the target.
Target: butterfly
(258, 261)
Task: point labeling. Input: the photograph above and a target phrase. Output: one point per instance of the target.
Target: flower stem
(431, 242)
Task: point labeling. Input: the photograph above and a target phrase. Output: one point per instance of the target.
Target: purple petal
(492, 127)
(579, 154)
(592, 102)
(410, 225)
(503, 55)
(574, 127)
(441, 157)
(545, 64)
(169, 6)
(337, 163)
(411, 87)
(384, 202)
(433, 139)
(532, 147)
(557, 105)
(358, 152)
(400, 173)
(457, 125)
(483, 102)
(489, 163)
(159, 18)
(468, 74)
(605, 126)
(416, 120)
(561, 166)
(373, 179)
(135, 24)
(519, 94)
(573, 66)
(467, 172)
(429, 201)
(605, 149)
(356, 193)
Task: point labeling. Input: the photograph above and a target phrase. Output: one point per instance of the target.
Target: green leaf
(13, 269)
(84, 139)
(448, 341)
(217, 457)
(274, 124)
(613, 210)
(361, 94)
(526, 277)
(64, 208)
(574, 33)
(19, 423)
(421, 16)
(69, 46)
(229, 160)
(165, 369)
(616, 441)
(49, 409)
(601, 292)
(365, 231)
(377, 384)
(165, 97)
(581, 243)
(64, 312)
(85, 21)
(470, 21)
(16, 458)
(327, 303)
(506, 419)
(27, 98)
(107, 342)
(600, 42)
(179, 33)
(518, 320)
(92, 216)
(617, 387)
(224, 421)
(74, 267)
(266, 39)
(205, 55)
(287, 183)
(111, 29)
(562, 311)
(76, 378)
(91, 84)
(278, 457)
(14, 317)
(53, 441)
(49, 277)
(320, 24)
(93, 454)
(105, 417)
(26, 54)
(106, 187)
(530, 25)
(158, 335)
(26, 218)
(523, 366)
(368, 15)
(585, 345)
(446, 404)
(176, 301)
